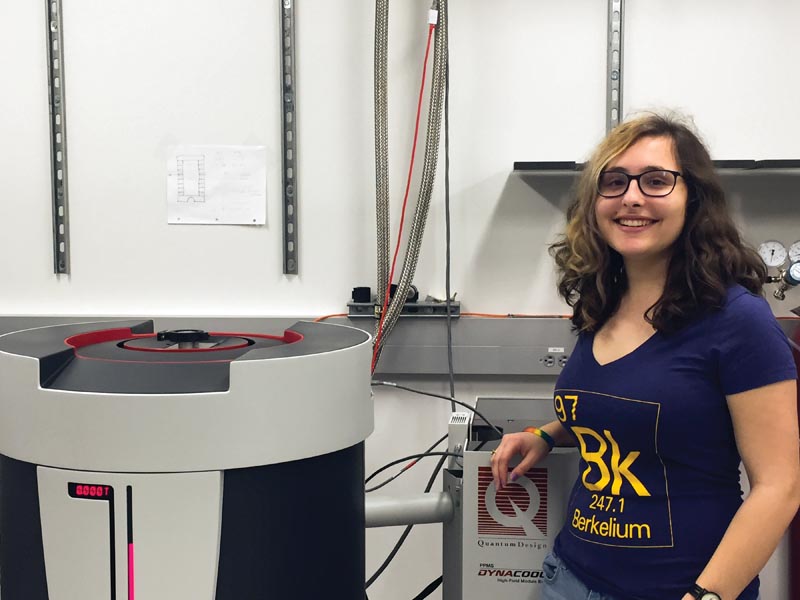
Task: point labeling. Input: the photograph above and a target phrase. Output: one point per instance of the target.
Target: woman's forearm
(750, 539)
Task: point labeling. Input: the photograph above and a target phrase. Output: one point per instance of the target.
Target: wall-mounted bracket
(58, 136)
(289, 118)
(616, 18)
(410, 309)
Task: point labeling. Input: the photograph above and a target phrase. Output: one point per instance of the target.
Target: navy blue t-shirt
(659, 472)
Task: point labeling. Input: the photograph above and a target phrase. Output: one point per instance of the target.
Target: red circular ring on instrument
(83, 340)
(128, 344)
(126, 335)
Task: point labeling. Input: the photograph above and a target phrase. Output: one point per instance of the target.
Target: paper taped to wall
(217, 185)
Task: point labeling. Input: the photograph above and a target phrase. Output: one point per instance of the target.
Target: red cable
(431, 28)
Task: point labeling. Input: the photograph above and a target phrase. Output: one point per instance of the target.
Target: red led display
(90, 491)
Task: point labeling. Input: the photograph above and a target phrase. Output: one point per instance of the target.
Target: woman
(680, 371)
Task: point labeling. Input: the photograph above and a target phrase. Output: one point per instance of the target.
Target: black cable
(464, 404)
(429, 589)
(450, 369)
(451, 372)
(404, 469)
(408, 529)
(435, 473)
(410, 457)
(391, 556)
(434, 584)
(386, 482)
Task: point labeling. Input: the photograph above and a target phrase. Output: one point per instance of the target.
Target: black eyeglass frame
(630, 178)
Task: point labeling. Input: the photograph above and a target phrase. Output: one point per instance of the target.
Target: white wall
(727, 63)
(140, 78)
(527, 83)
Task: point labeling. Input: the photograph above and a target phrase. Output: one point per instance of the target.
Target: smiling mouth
(634, 222)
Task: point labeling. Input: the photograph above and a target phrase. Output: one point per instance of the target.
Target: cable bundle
(391, 310)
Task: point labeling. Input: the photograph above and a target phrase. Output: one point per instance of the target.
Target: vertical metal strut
(58, 135)
(616, 18)
(289, 115)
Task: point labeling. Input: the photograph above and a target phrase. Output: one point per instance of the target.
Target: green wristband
(542, 434)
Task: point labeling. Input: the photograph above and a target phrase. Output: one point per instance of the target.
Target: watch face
(709, 596)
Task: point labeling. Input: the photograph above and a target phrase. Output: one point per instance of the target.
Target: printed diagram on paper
(218, 185)
(191, 178)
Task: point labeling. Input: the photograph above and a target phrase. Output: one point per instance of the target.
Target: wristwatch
(699, 593)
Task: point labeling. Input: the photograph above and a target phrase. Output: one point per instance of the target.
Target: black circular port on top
(182, 336)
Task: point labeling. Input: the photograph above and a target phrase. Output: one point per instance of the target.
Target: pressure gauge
(794, 252)
(793, 274)
(773, 253)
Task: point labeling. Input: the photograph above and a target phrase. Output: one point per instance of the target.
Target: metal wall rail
(289, 117)
(58, 136)
(616, 19)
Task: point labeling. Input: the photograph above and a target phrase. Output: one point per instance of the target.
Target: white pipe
(383, 511)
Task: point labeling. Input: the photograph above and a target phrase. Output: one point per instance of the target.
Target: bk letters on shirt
(622, 495)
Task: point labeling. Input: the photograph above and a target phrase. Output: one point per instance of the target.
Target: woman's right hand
(530, 446)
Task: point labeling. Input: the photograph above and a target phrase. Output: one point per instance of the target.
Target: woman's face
(643, 228)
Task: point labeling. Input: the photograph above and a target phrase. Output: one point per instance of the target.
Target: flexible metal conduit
(382, 145)
(428, 175)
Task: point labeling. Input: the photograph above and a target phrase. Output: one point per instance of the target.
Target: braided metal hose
(428, 176)
(382, 145)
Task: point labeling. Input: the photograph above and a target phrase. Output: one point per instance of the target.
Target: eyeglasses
(655, 183)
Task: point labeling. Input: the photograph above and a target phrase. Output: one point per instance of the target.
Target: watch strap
(700, 593)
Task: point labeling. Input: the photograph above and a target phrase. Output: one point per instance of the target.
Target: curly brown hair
(708, 256)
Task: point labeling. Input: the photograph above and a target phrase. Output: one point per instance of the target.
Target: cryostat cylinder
(212, 462)
(105, 406)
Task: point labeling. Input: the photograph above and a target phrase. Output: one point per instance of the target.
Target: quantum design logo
(519, 510)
